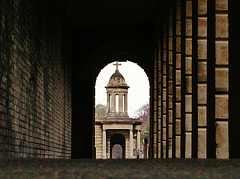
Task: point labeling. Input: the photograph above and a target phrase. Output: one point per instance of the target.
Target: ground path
(152, 168)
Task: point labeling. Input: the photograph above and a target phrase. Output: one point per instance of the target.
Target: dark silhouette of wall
(35, 85)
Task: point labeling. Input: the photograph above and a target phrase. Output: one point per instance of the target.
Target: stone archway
(117, 139)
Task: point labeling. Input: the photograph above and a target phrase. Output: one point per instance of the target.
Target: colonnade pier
(51, 53)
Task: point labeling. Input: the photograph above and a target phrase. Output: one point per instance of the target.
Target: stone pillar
(120, 99)
(188, 78)
(138, 140)
(131, 143)
(222, 79)
(202, 78)
(125, 104)
(113, 98)
(104, 151)
(108, 102)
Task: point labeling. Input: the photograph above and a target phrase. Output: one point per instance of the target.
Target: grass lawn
(151, 168)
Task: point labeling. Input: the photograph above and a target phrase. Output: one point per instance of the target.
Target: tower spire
(117, 64)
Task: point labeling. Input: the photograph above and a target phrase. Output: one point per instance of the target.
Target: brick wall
(35, 86)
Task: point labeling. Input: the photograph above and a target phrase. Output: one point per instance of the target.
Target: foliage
(143, 114)
(100, 110)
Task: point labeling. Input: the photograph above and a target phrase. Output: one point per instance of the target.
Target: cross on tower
(117, 64)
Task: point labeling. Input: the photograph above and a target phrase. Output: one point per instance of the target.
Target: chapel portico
(117, 120)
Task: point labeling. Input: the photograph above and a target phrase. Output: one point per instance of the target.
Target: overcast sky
(135, 77)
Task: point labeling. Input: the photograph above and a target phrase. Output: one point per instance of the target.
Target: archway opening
(117, 147)
(117, 151)
(128, 102)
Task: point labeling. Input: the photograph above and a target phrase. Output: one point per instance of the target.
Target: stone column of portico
(120, 107)
(104, 151)
(131, 142)
(108, 102)
(113, 102)
(125, 103)
(138, 140)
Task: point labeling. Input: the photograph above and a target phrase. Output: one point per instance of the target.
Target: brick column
(170, 86)
(164, 93)
(188, 74)
(178, 82)
(155, 135)
(221, 78)
(202, 78)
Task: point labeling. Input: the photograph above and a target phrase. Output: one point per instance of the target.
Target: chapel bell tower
(117, 95)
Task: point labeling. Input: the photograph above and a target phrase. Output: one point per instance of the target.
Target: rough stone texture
(170, 116)
(221, 4)
(178, 77)
(188, 103)
(222, 52)
(35, 86)
(178, 146)
(202, 49)
(221, 25)
(202, 143)
(170, 87)
(222, 149)
(188, 122)
(188, 145)
(178, 93)
(202, 94)
(188, 44)
(178, 27)
(170, 101)
(178, 127)
(188, 65)
(202, 71)
(202, 116)
(164, 121)
(222, 106)
(98, 141)
(202, 7)
(189, 8)
(221, 79)
(188, 27)
(178, 44)
(202, 27)
(170, 127)
(178, 110)
(164, 134)
(188, 84)
(178, 61)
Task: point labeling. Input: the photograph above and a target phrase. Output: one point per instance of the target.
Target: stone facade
(35, 86)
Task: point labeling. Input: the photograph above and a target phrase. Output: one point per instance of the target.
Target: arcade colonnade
(191, 81)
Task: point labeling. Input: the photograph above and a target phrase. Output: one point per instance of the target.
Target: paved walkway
(152, 168)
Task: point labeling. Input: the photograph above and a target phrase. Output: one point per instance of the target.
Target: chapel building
(116, 128)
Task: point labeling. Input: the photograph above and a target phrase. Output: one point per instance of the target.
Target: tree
(100, 110)
(143, 114)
